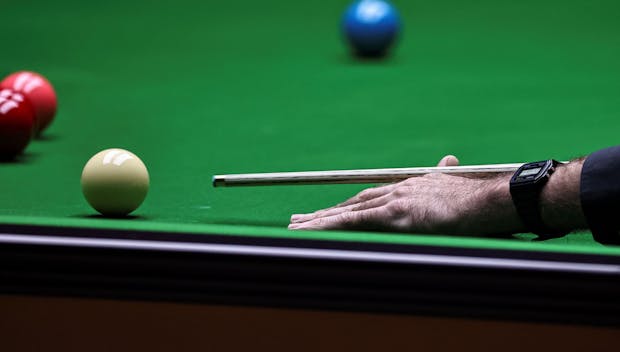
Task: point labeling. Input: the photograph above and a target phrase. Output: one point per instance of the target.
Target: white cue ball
(115, 182)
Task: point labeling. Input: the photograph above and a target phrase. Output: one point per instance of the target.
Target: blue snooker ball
(371, 27)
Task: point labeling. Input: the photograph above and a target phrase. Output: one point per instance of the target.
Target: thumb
(448, 160)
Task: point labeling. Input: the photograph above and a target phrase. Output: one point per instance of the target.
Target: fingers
(366, 219)
(449, 160)
(373, 203)
(366, 195)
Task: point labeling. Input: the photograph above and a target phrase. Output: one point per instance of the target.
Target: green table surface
(197, 88)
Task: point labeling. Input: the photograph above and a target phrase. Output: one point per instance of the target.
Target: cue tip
(218, 181)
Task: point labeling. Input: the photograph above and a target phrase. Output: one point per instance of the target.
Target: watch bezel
(546, 169)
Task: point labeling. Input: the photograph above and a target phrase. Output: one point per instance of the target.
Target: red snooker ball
(39, 92)
(17, 119)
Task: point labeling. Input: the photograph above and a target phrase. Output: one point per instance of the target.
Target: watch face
(530, 172)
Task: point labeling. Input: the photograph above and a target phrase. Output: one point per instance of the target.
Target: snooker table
(197, 88)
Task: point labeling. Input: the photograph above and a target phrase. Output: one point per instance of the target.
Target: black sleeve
(600, 194)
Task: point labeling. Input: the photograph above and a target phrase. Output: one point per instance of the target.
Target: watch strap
(527, 202)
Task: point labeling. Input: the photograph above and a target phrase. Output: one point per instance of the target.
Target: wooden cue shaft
(353, 176)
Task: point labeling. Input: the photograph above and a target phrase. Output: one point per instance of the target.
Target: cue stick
(355, 176)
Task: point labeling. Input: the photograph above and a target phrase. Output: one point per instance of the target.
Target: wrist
(493, 211)
(499, 201)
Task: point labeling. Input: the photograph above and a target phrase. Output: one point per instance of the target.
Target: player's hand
(433, 203)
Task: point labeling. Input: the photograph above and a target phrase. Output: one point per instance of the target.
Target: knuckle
(318, 222)
(401, 191)
(358, 207)
(397, 207)
(410, 181)
(365, 194)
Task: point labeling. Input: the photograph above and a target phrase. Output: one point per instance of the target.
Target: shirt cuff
(600, 194)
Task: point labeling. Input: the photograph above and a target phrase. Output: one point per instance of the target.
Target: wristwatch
(526, 185)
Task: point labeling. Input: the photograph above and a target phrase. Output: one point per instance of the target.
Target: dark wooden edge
(293, 273)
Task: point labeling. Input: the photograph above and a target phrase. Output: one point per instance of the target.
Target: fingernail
(293, 226)
(295, 217)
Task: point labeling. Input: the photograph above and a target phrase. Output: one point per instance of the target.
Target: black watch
(526, 185)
